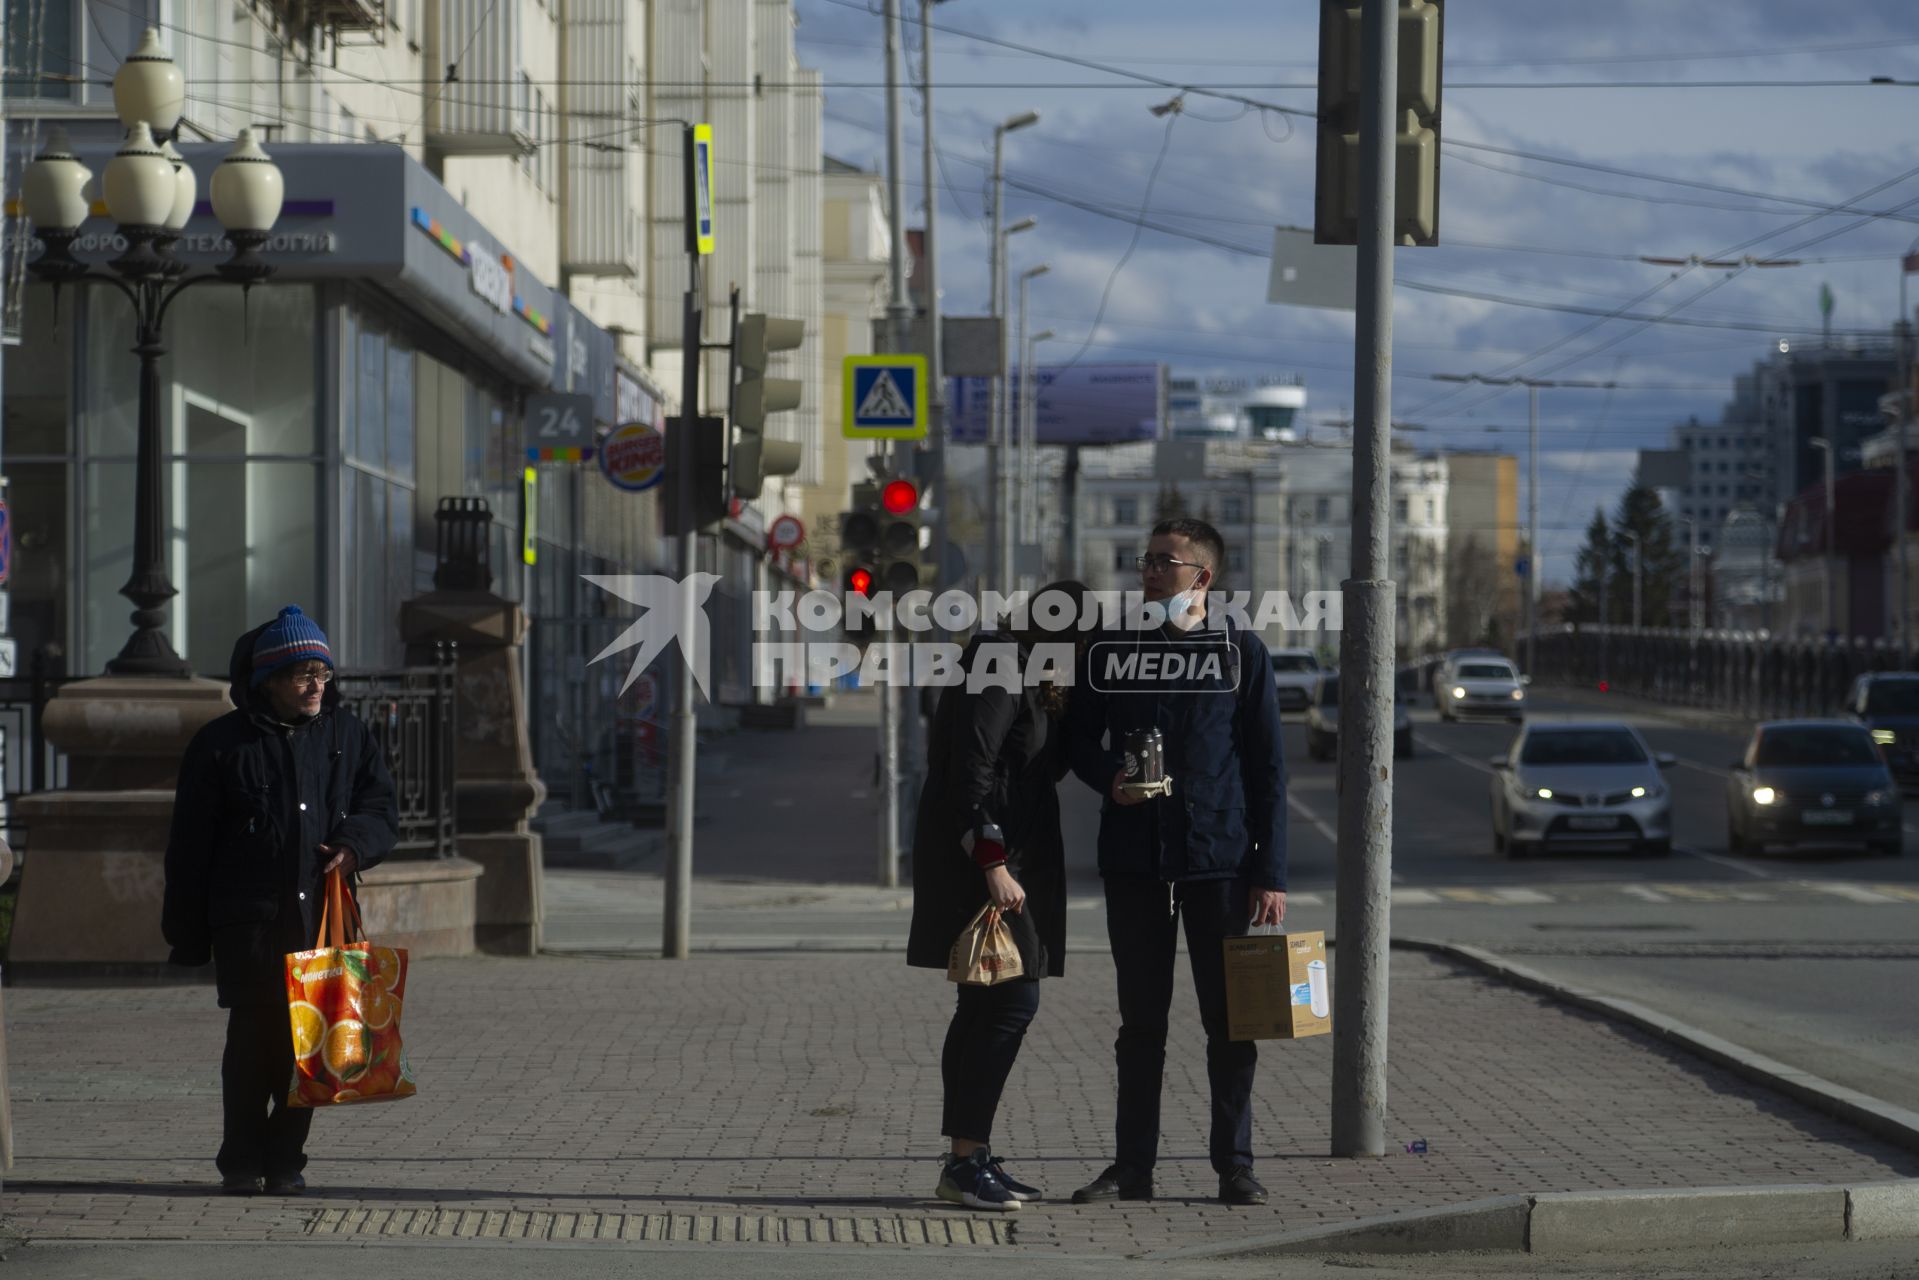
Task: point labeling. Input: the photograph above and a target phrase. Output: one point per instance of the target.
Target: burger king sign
(633, 457)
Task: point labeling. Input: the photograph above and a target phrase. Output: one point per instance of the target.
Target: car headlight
(1519, 695)
(1884, 737)
(1544, 793)
(1648, 793)
(1878, 797)
(1458, 692)
(1763, 795)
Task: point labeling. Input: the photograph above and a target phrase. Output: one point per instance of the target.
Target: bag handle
(339, 915)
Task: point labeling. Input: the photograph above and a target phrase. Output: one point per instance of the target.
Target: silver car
(1591, 784)
(1477, 686)
(1322, 721)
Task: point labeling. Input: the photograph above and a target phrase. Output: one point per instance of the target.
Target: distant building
(1483, 548)
(1229, 409)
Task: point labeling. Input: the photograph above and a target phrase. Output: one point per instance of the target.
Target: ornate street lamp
(150, 192)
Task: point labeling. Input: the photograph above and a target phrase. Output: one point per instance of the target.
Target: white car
(1295, 676)
(1479, 686)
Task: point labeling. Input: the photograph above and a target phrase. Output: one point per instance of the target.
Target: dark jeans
(1142, 919)
(262, 1135)
(981, 1044)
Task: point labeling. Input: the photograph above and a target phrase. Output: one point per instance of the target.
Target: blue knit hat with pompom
(292, 637)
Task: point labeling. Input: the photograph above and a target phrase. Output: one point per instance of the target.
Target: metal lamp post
(150, 192)
(996, 287)
(1029, 438)
(1634, 538)
(1021, 496)
(999, 478)
(1824, 446)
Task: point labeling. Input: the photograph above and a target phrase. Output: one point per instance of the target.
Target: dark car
(1886, 703)
(1322, 721)
(1812, 783)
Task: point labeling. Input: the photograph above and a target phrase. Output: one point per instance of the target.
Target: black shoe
(966, 1180)
(1241, 1187)
(1117, 1183)
(239, 1184)
(287, 1184)
(1014, 1187)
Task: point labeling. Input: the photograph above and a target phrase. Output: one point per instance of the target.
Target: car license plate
(1827, 817)
(1606, 823)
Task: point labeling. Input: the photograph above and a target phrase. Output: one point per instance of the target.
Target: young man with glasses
(271, 797)
(1210, 856)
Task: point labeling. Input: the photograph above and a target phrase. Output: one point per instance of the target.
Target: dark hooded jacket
(255, 800)
(993, 756)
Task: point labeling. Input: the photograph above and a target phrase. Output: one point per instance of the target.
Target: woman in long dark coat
(988, 829)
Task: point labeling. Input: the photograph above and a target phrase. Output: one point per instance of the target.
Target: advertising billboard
(1080, 404)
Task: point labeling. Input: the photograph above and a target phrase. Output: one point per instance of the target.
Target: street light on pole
(1902, 484)
(1825, 446)
(150, 192)
(1029, 437)
(996, 287)
(1000, 477)
(1532, 386)
(1021, 495)
(1634, 539)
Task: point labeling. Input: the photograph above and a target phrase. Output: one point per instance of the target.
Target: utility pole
(677, 926)
(1532, 386)
(1902, 485)
(899, 324)
(1825, 446)
(929, 264)
(996, 533)
(1366, 642)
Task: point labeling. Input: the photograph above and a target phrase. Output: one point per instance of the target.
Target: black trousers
(1142, 919)
(262, 1136)
(981, 1044)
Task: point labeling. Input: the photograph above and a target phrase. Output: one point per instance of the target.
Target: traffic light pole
(676, 941)
(899, 321)
(1366, 642)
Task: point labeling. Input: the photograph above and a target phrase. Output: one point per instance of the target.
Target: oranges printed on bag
(378, 1007)
(309, 1028)
(346, 1049)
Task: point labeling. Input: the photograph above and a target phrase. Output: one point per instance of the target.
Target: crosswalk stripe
(1850, 892)
(1694, 892)
(1524, 896)
(1414, 897)
(1644, 892)
(1899, 891)
(1470, 895)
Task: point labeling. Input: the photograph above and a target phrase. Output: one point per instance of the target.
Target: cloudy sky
(1774, 126)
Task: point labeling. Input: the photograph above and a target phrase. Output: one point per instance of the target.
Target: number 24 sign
(556, 419)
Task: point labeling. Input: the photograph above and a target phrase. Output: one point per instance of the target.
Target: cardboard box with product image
(1277, 987)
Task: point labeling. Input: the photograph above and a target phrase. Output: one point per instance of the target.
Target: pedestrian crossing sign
(884, 398)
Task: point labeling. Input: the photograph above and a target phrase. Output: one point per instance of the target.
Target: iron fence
(412, 715)
(28, 762)
(1750, 674)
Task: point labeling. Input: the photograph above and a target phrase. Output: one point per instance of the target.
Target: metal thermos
(1145, 757)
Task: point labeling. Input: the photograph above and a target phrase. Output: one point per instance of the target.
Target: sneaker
(1240, 1187)
(966, 1180)
(289, 1184)
(1014, 1187)
(239, 1184)
(1117, 1183)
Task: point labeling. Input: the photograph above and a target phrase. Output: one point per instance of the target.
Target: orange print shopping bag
(343, 999)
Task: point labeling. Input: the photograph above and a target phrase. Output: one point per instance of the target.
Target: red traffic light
(899, 496)
(861, 580)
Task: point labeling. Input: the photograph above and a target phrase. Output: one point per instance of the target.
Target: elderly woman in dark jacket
(988, 829)
(284, 788)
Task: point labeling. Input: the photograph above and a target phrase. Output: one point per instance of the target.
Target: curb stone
(1566, 1224)
(1894, 1124)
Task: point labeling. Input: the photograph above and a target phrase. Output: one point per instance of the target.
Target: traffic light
(899, 537)
(755, 456)
(707, 442)
(1415, 122)
(860, 553)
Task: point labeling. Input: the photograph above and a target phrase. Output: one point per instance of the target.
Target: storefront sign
(634, 457)
(490, 277)
(555, 419)
(631, 402)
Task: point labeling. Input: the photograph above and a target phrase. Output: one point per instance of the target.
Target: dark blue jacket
(254, 801)
(1226, 818)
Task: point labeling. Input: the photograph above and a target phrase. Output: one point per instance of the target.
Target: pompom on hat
(292, 637)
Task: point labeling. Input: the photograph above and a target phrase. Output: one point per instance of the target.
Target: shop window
(39, 49)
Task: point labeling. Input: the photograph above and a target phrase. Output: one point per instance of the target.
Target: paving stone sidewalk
(792, 1100)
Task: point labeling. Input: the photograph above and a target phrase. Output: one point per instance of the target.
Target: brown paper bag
(1276, 986)
(984, 954)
